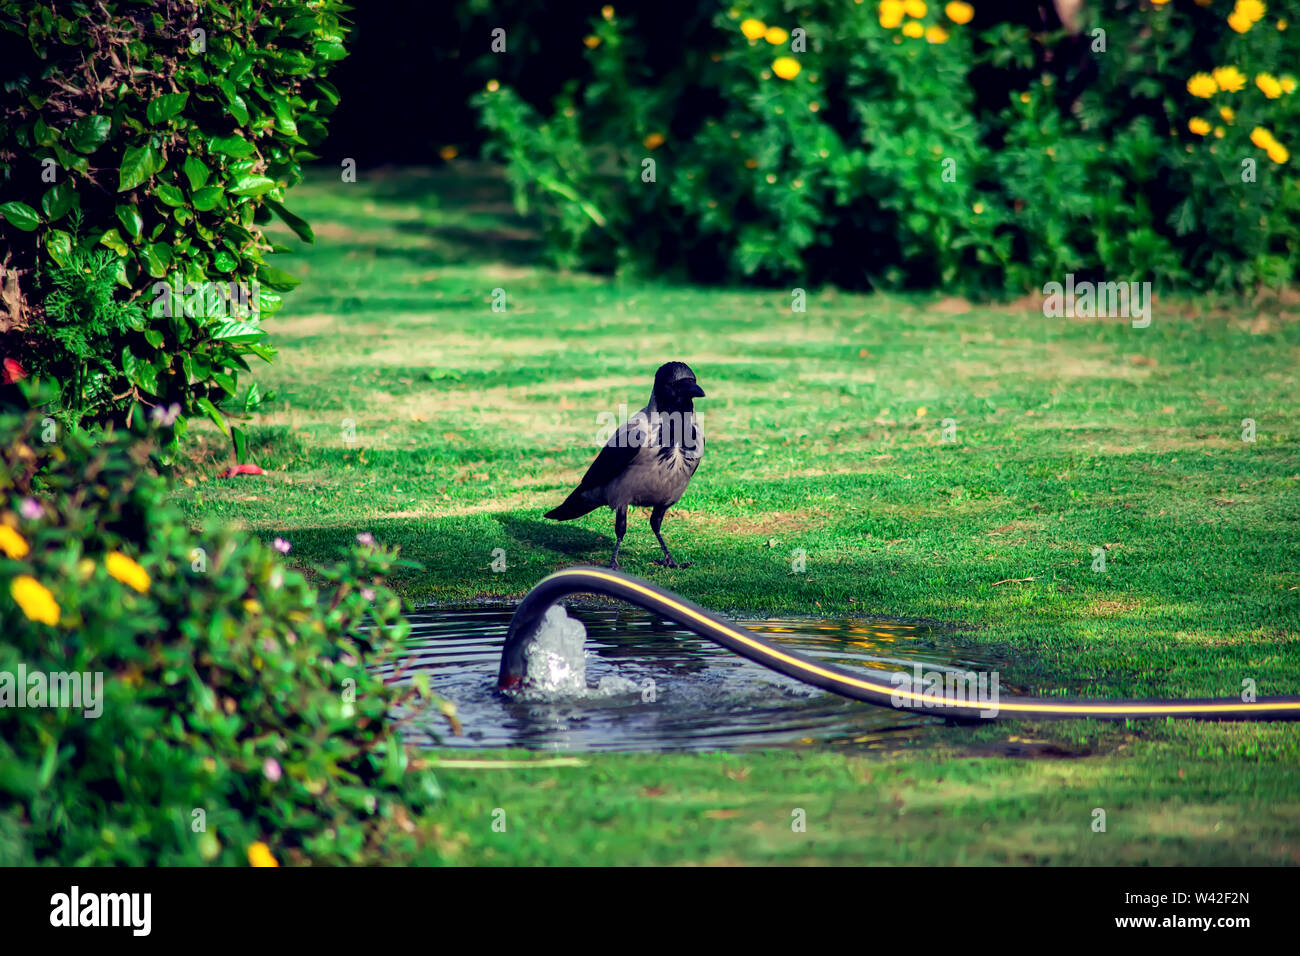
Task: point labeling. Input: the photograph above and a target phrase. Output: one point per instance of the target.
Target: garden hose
(846, 683)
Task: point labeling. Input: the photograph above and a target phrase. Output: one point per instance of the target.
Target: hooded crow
(646, 463)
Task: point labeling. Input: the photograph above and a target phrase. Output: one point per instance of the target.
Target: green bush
(905, 144)
(166, 134)
(233, 693)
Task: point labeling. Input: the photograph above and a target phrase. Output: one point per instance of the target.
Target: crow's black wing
(617, 454)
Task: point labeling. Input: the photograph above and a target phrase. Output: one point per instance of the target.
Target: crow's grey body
(648, 462)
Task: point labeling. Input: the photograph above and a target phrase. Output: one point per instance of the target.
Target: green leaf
(113, 240)
(212, 413)
(238, 108)
(170, 194)
(138, 164)
(157, 257)
(88, 133)
(139, 372)
(233, 330)
(209, 197)
(283, 116)
(252, 186)
(58, 201)
(59, 245)
(21, 216)
(296, 223)
(224, 261)
(241, 444)
(162, 108)
(196, 171)
(129, 217)
(235, 146)
(277, 279)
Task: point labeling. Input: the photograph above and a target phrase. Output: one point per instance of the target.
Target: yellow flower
(920, 412)
(1278, 153)
(1262, 137)
(913, 29)
(1288, 84)
(1227, 113)
(776, 36)
(1269, 85)
(1218, 133)
(1238, 22)
(35, 599)
(448, 153)
(127, 571)
(1281, 24)
(12, 543)
(259, 854)
(653, 141)
(493, 86)
(591, 41)
(1158, 3)
(1198, 126)
(753, 29)
(607, 12)
(1252, 10)
(1202, 85)
(959, 12)
(786, 67)
(936, 34)
(1229, 78)
(891, 13)
(914, 8)
(978, 208)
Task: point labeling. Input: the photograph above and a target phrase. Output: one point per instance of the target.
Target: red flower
(13, 372)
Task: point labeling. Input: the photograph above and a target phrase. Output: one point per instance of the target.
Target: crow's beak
(693, 390)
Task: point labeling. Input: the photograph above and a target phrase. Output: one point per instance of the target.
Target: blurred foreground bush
(908, 144)
(238, 720)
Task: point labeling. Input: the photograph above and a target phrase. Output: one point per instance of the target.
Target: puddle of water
(690, 693)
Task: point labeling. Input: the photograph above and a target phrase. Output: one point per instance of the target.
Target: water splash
(556, 662)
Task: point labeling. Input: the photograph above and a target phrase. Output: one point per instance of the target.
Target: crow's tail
(574, 506)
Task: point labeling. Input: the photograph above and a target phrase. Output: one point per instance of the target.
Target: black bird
(646, 463)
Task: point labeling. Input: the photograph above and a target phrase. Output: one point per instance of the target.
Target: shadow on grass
(566, 539)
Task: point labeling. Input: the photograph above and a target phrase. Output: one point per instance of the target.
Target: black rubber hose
(846, 683)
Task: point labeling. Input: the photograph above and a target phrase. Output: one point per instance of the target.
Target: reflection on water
(690, 693)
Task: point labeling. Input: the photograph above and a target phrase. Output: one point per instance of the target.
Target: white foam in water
(555, 661)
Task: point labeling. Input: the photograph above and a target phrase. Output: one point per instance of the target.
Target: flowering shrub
(905, 143)
(161, 137)
(235, 719)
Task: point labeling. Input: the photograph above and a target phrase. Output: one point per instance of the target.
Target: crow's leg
(657, 519)
(620, 529)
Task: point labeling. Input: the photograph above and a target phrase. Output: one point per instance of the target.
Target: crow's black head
(675, 387)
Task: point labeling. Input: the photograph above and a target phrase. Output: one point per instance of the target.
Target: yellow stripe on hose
(1167, 709)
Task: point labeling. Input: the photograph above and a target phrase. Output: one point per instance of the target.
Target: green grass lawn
(825, 433)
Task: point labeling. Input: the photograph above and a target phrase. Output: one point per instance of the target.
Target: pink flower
(271, 769)
(366, 538)
(30, 509)
(282, 546)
